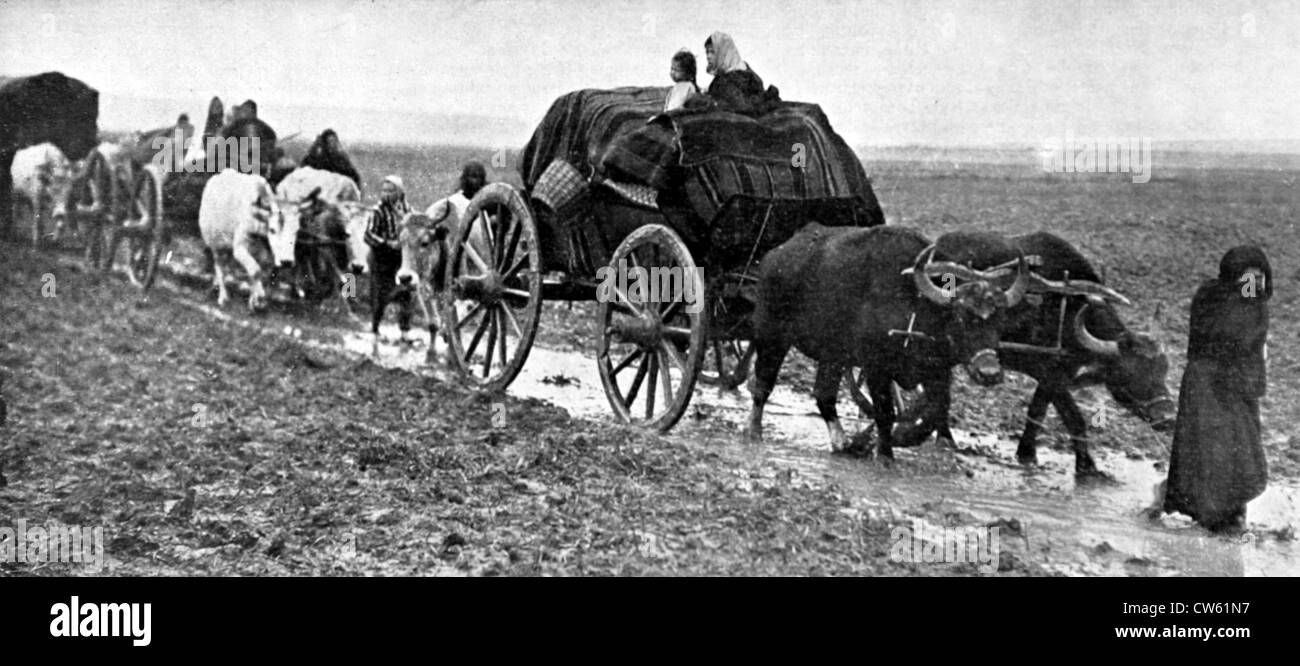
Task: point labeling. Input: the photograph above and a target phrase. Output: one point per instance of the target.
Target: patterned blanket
(790, 154)
(580, 125)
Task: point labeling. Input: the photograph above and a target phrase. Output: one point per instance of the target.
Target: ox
(1071, 336)
(847, 296)
(237, 214)
(423, 269)
(36, 109)
(42, 179)
(327, 209)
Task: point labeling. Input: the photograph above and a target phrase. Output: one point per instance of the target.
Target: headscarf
(385, 221)
(726, 57)
(399, 206)
(1241, 258)
(396, 181)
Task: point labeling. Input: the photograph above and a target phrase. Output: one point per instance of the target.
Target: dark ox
(36, 109)
(1095, 345)
(866, 297)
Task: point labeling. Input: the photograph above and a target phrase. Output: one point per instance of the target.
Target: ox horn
(921, 278)
(1088, 340)
(1021, 285)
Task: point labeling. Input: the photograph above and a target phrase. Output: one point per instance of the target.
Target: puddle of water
(1091, 529)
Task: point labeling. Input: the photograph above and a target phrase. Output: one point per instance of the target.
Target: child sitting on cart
(683, 75)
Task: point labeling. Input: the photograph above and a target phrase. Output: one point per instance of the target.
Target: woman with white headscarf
(735, 86)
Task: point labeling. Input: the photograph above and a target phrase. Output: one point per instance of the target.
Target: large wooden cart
(651, 350)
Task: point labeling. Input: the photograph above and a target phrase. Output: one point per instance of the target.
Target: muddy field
(212, 442)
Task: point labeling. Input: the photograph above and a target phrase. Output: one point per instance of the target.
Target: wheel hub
(487, 289)
(645, 330)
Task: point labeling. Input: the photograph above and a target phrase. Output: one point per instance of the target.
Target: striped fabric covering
(790, 154)
(720, 166)
(580, 124)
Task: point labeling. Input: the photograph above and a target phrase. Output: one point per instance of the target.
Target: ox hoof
(753, 437)
(859, 445)
(1027, 459)
(1088, 473)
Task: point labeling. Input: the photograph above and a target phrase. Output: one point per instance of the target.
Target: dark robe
(321, 157)
(253, 127)
(1217, 463)
(741, 91)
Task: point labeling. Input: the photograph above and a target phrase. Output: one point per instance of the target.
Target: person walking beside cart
(382, 235)
(1217, 463)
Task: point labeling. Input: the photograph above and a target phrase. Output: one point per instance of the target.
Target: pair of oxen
(904, 311)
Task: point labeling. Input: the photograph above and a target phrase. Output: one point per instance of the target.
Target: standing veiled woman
(1217, 464)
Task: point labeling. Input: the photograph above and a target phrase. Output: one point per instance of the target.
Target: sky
(889, 72)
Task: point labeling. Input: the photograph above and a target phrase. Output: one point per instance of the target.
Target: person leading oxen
(450, 211)
(1217, 463)
(383, 235)
(328, 207)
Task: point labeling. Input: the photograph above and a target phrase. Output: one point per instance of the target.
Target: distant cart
(165, 201)
(610, 183)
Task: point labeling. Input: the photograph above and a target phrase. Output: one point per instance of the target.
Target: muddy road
(1093, 528)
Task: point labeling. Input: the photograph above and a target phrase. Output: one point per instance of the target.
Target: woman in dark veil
(327, 155)
(1217, 464)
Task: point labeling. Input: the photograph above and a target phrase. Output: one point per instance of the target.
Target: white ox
(238, 212)
(327, 209)
(42, 179)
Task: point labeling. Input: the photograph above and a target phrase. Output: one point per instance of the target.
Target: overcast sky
(886, 72)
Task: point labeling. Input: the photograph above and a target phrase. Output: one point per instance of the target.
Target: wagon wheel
(148, 234)
(728, 363)
(650, 343)
(855, 380)
(494, 280)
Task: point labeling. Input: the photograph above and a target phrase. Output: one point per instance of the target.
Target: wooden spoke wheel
(494, 297)
(148, 231)
(651, 345)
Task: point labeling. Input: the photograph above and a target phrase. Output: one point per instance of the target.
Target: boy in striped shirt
(386, 257)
